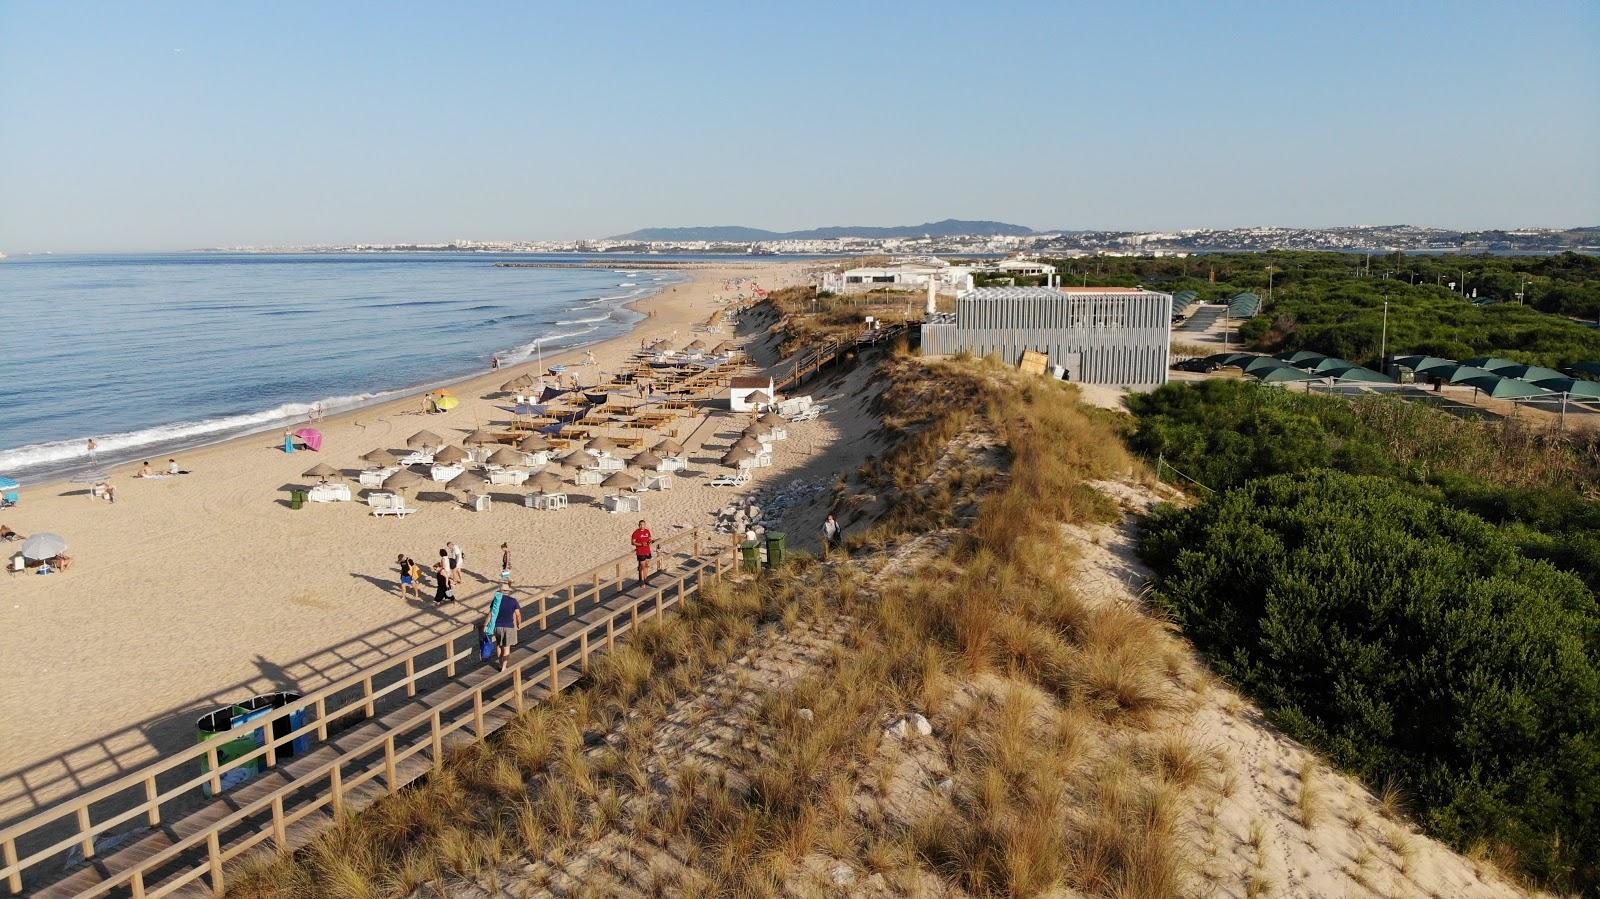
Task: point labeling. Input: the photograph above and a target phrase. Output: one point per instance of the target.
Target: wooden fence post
(411, 677)
(438, 743)
(280, 834)
(214, 854)
(336, 787)
(516, 685)
(389, 772)
(152, 813)
(555, 672)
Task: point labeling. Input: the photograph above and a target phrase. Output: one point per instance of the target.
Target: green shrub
(1406, 639)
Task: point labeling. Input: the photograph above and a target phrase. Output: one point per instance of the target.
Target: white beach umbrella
(43, 546)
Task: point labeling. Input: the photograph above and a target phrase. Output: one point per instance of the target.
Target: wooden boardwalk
(431, 698)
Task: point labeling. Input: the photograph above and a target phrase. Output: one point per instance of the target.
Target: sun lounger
(418, 458)
(671, 464)
(443, 474)
(329, 493)
(550, 502)
(732, 480)
(589, 477)
(507, 477)
(388, 504)
(375, 477)
(482, 502)
(623, 503)
(657, 482)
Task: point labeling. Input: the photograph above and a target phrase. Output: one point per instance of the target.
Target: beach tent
(423, 440)
(43, 546)
(378, 458)
(1534, 373)
(8, 490)
(479, 437)
(1502, 388)
(311, 437)
(1490, 363)
(450, 455)
(1585, 390)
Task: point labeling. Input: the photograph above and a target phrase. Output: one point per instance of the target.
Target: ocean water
(149, 354)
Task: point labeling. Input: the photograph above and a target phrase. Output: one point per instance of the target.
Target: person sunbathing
(8, 534)
(60, 562)
(145, 471)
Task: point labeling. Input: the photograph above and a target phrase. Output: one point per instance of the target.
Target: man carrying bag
(500, 628)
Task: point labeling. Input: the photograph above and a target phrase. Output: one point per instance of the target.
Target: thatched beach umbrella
(759, 398)
(747, 443)
(320, 470)
(505, 455)
(404, 479)
(620, 481)
(479, 437)
(467, 482)
(602, 444)
(645, 459)
(576, 458)
(736, 455)
(661, 344)
(694, 346)
(423, 440)
(520, 382)
(723, 347)
(546, 482)
(668, 447)
(534, 443)
(757, 430)
(379, 458)
(450, 455)
(772, 419)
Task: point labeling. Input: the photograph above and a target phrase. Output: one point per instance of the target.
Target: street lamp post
(1269, 285)
(1383, 344)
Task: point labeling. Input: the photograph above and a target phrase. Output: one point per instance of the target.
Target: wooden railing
(355, 696)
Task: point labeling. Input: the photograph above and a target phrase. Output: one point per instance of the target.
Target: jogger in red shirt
(641, 549)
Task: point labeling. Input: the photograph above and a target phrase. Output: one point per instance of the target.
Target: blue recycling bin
(227, 722)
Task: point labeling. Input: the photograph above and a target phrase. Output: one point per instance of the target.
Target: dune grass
(1045, 706)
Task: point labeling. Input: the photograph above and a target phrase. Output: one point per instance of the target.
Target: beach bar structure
(1099, 335)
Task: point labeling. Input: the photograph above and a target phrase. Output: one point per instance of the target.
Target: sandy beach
(201, 589)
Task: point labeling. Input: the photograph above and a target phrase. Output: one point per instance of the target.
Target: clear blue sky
(168, 125)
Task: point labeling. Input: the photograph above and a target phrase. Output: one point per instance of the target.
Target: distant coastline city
(986, 237)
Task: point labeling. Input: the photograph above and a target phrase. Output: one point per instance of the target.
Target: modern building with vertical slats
(1100, 335)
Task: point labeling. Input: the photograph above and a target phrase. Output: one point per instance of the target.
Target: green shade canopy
(1298, 356)
(1329, 364)
(1588, 368)
(1533, 373)
(1464, 373)
(1437, 368)
(1417, 363)
(1359, 373)
(1230, 358)
(1573, 386)
(1263, 363)
(1490, 363)
(1502, 388)
(1283, 373)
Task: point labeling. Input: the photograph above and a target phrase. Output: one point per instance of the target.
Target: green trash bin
(775, 544)
(751, 551)
(297, 499)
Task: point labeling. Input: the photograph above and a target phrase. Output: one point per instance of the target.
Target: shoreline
(375, 402)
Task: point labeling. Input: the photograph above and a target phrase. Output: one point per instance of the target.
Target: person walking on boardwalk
(441, 580)
(505, 563)
(458, 562)
(505, 617)
(641, 549)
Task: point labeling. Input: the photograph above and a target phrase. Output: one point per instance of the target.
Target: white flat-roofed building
(908, 274)
(1100, 335)
(1026, 267)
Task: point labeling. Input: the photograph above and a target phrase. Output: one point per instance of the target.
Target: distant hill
(946, 228)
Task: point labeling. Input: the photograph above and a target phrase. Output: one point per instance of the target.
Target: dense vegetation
(1333, 302)
(1408, 592)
